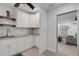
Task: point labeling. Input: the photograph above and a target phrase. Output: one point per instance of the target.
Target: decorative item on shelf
(8, 13)
(8, 16)
(76, 18)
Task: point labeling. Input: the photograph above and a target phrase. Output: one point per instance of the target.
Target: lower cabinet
(3, 51)
(25, 43)
(15, 45)
(11, 47)
(8, 47)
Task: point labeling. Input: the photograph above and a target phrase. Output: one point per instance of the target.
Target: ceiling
(49, 6)
(28, 9)
(67, 18)
(24, 7)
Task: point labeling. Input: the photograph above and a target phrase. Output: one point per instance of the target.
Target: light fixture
(34, 9)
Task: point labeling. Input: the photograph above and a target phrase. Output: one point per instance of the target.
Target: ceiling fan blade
(30, 5)
(17, 5)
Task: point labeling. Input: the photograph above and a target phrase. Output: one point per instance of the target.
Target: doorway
(67, 33)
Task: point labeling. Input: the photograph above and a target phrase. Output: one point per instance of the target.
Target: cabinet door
(21, 44)
(11, 47)
(29, 42)
(34, 20)
(3, 49)
(24, 43)
(22, 19)
(31, 18)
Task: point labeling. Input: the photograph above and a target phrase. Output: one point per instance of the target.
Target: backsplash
(14, 31)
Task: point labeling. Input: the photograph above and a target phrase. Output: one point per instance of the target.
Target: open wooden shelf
(8, 25)
(7, 17)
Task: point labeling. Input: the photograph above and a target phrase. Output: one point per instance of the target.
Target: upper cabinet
(34, 20)
(27, 20)
(22, 19)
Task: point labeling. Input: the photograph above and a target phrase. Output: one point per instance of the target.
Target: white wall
(43, 30)
(52, 23)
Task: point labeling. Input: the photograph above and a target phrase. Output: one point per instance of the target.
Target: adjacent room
(67, 33)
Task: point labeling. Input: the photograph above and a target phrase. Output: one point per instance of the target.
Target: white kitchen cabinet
(25, 43)
(8, 47)
(3, 51)
(34, 20)
(15, 45)
(11, 46)
(37, 23)
(21, 44)
(22, 19)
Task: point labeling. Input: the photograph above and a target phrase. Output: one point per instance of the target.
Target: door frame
(57, 27)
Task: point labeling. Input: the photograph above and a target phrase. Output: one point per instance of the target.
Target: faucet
(7, 31)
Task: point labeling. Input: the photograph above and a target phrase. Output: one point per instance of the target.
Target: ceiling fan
(29, 4)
